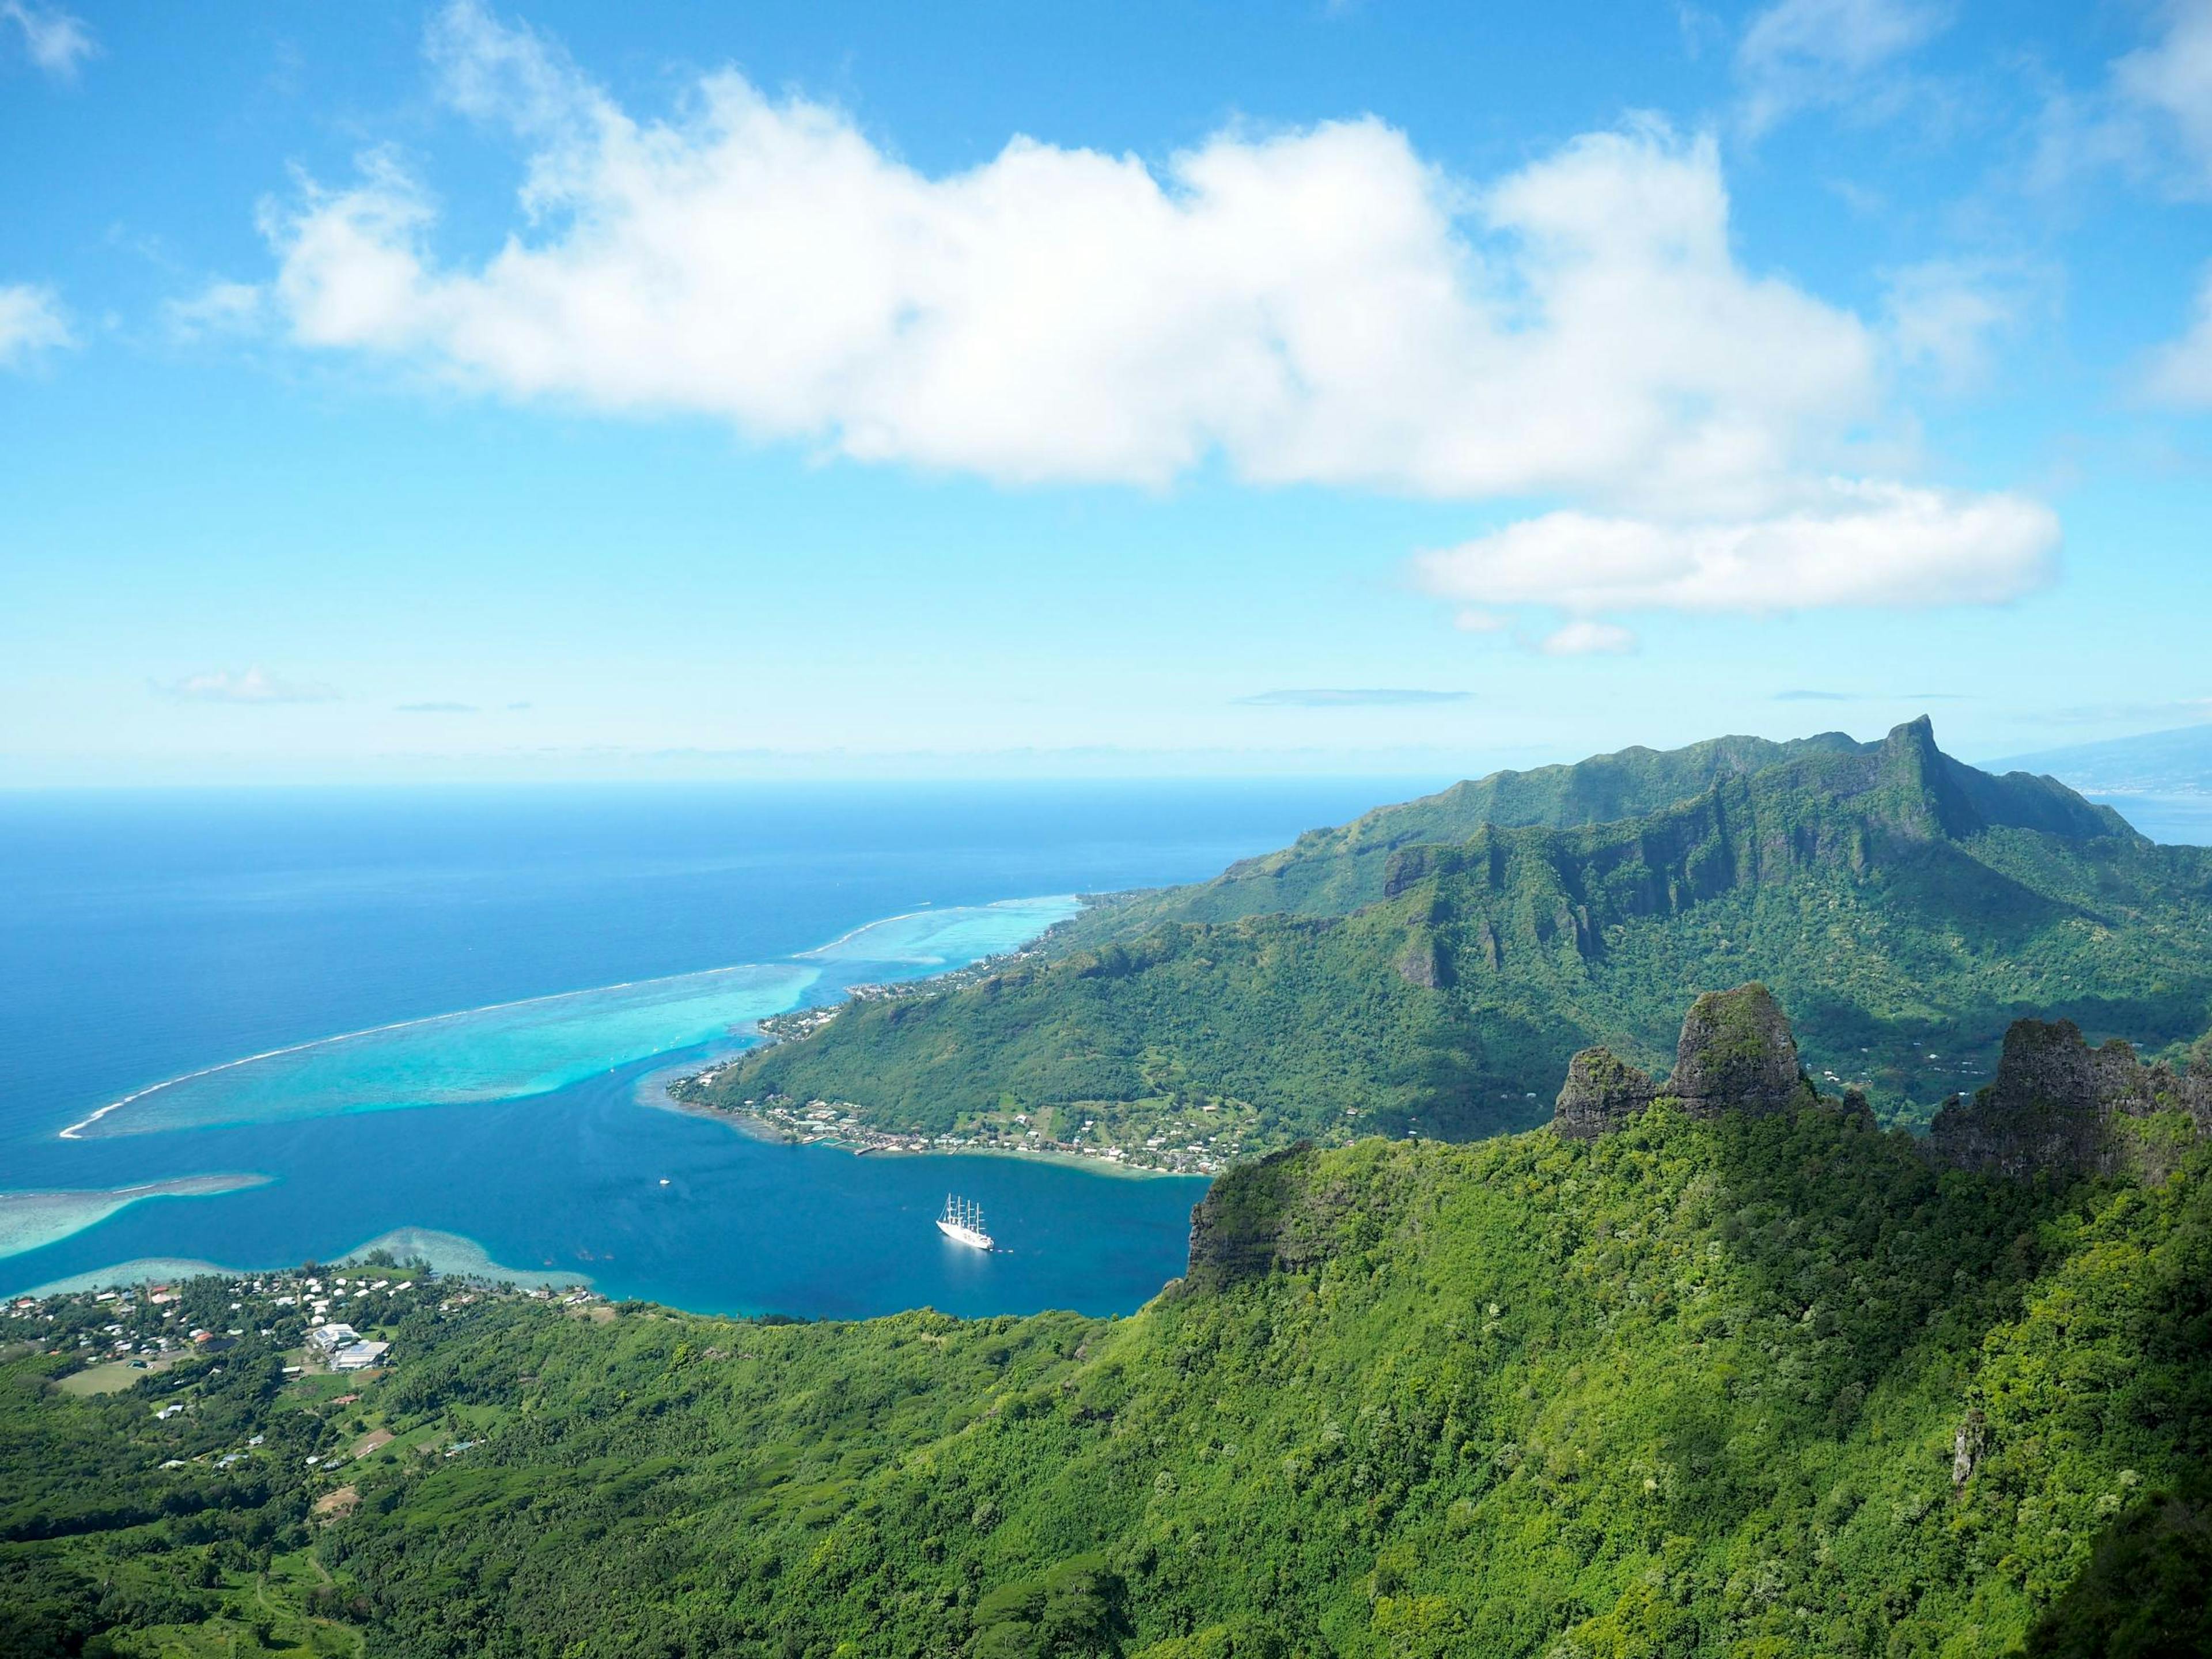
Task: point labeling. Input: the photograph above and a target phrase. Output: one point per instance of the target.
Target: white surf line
(948, 910)
(87, 1121)
(74, 1131)
(880, 921)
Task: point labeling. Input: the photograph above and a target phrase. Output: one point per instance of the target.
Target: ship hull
(968, 1235)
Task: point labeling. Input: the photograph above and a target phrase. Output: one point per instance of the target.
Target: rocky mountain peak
(1602, 1092)
(2059, 1107)
(1737, 1052)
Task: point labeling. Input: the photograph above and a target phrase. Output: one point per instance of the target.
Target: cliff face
(2061, 1108)
(1736, 1054)
(1601, 1092)
(2057, 1107)
(1902, 781)
(1257, 1218)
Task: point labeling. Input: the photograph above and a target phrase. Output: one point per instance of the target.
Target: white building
(358, 1356)
(327, 1339)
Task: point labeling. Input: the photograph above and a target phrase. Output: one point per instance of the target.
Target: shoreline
(451, 1256)
(820, 1124)
(806, 962)
(861, 1142)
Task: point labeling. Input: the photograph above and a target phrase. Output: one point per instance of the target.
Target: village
(1192, 1144)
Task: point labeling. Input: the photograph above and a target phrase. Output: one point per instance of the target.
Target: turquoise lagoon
(513, 1050)
(32, 1220)
(277, 1026)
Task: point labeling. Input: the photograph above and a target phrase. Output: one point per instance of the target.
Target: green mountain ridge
(1907, 906)
(1331, 871)
(1752, 1377)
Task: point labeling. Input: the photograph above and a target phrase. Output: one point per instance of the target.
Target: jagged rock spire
(1602, 1092)
(2061, 1108)
(2057, 1107)
(1737, 1052)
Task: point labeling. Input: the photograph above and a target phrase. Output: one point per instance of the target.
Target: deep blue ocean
(144, 937)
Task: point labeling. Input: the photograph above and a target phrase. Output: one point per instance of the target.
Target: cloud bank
(254, 685)
(1868, 544)
(30, 321)
(56, 41)
(1317, 307)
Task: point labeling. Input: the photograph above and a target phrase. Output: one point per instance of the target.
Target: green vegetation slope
(1745, 1385)
(1429, 969)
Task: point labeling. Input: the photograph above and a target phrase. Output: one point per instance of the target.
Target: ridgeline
(1431, 967)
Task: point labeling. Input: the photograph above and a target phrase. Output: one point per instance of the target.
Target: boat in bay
(962, 1222)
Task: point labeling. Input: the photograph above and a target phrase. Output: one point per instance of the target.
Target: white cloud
(1352, 697)
(1941, 318)
(56, 42)
(1801, 54)
(2180, 372)
(2172, 80)
(255, 685)
(31, 321)
(220, 307)
(2151, 119)
(1318, 306)
(1864, 545)
(1475, 620)
(1585, 638)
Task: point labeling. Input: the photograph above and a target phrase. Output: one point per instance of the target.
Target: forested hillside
(1730, 1377)
(1333, 871)
(1428, 969)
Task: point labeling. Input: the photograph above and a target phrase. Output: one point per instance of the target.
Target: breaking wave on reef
(513, 1050)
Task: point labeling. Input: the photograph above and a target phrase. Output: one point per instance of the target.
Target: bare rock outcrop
(2058, 1107)
(1258, 1218)
(1602, 1092)
(1737, 1052)
(1423, 961)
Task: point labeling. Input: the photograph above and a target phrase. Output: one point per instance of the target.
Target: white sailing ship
(962, 1222)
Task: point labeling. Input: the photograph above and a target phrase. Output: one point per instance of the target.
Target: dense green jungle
(1729, 1359)
(1735, 1374)
(1430, 966)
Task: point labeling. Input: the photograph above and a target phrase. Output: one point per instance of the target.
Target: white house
(327, 1339)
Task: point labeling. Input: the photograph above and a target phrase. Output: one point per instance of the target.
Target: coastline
(1035, 915)
(451, 1256)
(863, 1142)
(834, 1124)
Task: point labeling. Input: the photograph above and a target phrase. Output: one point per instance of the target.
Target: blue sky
(664, 391)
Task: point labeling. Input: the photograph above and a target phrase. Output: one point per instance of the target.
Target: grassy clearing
(113, 1377)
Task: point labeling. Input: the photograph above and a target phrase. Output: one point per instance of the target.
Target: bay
(147, 937)
(2174, 820)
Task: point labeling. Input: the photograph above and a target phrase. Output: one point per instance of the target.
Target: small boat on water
(962, 1222)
